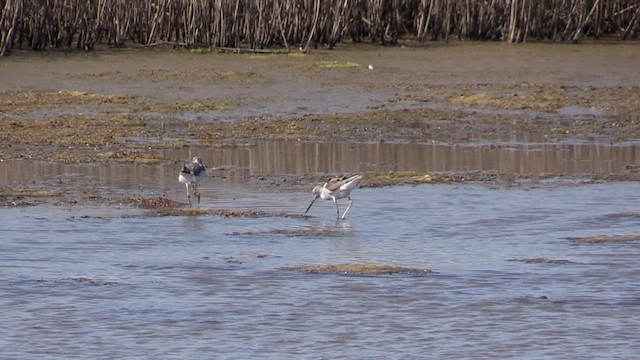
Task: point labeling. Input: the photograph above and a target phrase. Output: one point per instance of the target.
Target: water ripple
(199, 287)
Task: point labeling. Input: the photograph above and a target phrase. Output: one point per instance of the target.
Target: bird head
(197, 159)
(315, 193)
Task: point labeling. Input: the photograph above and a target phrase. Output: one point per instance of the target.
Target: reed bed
(303, 24)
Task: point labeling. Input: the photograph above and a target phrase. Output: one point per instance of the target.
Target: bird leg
(196, 192)
(348, 207)
(188, 193)
(337, 209)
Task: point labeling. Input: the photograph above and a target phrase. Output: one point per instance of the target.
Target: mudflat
(126, 105)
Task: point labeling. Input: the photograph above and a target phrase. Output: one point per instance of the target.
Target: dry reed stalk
(260, 24)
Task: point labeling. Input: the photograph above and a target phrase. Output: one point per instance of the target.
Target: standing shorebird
(334, 189)
(192, 175)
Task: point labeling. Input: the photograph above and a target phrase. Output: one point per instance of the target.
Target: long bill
(312, 201)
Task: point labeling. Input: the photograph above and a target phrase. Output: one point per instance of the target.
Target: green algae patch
(600, 239)
(199, 50)
(339, 64)
(358, 269)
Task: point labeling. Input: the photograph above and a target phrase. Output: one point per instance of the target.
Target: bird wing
(334, 183)
(193, 168)
(350, 183)
(342, 183)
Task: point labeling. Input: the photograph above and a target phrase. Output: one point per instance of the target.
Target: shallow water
(80, 281)
(100, 282)
(232, 165)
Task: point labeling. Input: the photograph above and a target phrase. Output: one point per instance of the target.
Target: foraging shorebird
(334, 189)
(192, 175)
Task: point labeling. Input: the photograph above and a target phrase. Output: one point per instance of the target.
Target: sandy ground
(124, 105)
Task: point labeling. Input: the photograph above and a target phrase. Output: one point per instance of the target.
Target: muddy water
(94, 282)
(202, 287)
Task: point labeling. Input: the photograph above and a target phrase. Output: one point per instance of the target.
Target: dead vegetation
(235, 24)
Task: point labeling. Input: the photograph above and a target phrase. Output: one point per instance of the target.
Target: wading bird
(334, 189)
(192, 175)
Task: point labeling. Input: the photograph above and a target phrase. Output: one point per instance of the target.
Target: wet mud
(358, 269)
(130, 107)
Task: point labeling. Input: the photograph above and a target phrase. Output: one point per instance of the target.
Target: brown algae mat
(19, 197)
(358, 269)
(543, 261)
(162, 206)
(229, 213)
(324, 232)
(600, 239)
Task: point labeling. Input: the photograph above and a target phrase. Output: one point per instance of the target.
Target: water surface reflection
(276, 158)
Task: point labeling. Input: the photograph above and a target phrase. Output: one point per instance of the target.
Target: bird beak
(312, 201)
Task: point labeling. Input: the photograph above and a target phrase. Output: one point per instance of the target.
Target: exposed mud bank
(127, 107)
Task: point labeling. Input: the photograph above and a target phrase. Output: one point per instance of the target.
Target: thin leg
(188, 194)
(196, 192)
(337, 210)
(348, 207)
